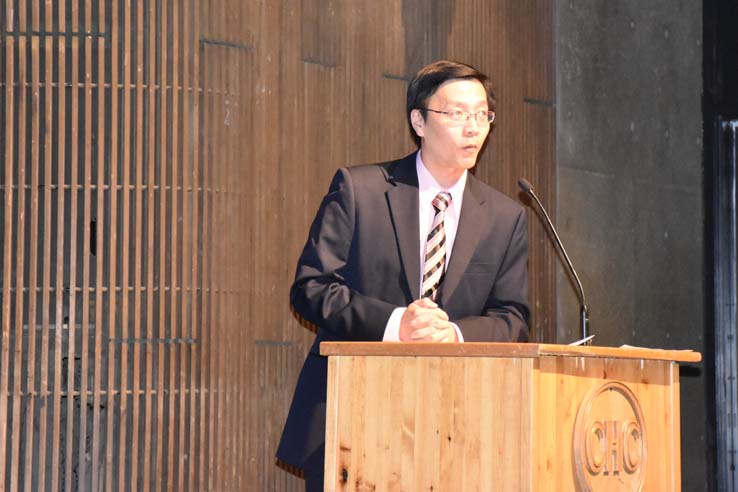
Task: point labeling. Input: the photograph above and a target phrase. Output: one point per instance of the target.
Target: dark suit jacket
(361, 261)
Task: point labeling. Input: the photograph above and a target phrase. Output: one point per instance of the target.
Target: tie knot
(441, 201)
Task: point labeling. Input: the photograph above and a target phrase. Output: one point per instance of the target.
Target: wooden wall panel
(161, 164)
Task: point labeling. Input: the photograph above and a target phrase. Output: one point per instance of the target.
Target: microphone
(583, 309)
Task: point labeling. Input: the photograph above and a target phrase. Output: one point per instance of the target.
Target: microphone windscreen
(525, 185)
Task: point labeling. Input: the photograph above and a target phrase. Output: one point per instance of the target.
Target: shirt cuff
(458, 332)
(392, 329)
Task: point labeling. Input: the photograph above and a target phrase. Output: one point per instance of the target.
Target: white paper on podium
(582, 341)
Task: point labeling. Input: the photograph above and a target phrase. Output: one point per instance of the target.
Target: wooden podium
(502, 416)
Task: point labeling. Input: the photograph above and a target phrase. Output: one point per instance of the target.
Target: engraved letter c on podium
(610, 440)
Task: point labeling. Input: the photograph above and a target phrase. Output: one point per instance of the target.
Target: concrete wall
(630, 198)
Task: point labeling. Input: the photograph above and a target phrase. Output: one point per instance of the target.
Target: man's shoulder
(493, 196)
(384, 166)
(383, 171)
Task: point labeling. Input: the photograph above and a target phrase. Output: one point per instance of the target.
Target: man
(416, 249)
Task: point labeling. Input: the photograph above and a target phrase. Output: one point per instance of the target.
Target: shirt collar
(427, 184)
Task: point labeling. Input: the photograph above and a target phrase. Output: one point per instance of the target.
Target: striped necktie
(435, 248)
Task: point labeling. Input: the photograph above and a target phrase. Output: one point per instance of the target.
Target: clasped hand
(424, 321)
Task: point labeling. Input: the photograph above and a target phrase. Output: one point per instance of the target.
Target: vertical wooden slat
(84, 354)
(113, 259)
(238, 146)
(72, 285)
(240, 379)
(61, 253)
(138, 167)
(8, 257)
(31, 390)
(20, 283)
(196, 392)
(226, 367)
(221, 319)
(232, 306)
(215, 269)
(9, 16)
(176, 287)
(188, 288)
(205, 156)
(164, 293)
(87, 28)
(307, 175)
(227, 320)
(45, 392)
(23, 23)
(150, 248)
(246, 89)
(126, 144)
(210, 336)
(238, 303)
(218, 288)
(208, 285)
(103, 188)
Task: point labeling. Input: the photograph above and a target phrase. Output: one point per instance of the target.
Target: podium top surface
(525, 350)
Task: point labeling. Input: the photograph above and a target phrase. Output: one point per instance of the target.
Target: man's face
(446, 144)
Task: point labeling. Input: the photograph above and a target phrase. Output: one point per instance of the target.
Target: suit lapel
(468, 235)
(402, 197)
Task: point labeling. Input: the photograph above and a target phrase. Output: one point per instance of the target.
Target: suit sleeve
(320, 292)
(506, 313)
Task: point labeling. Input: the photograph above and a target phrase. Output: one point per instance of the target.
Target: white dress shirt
(428, 188)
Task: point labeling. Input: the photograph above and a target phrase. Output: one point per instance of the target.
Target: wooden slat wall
(161, 163)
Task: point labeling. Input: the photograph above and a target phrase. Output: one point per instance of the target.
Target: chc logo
(610, 440)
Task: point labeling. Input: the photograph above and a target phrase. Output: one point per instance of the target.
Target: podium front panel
(523, 417)
(429, 423)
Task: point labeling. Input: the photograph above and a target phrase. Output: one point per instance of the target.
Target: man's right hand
(424, 321)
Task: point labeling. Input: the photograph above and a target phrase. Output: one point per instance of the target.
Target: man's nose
(471, 125)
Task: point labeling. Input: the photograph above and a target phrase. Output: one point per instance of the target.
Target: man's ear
(416, 118)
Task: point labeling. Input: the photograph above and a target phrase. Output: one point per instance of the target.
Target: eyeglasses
(483, 117)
